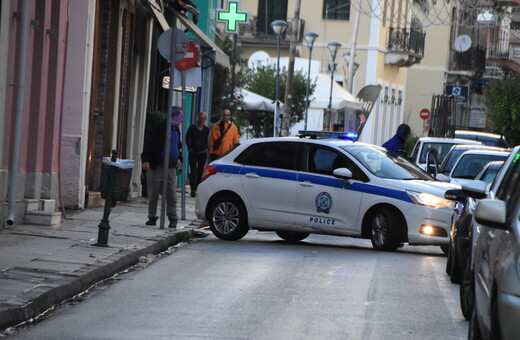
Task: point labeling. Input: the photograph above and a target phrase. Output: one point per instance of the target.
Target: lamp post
(278, 27)
(310, 38)
(333, 48)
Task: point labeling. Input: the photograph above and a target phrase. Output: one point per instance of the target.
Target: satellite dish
(258, 58)
(462, 43)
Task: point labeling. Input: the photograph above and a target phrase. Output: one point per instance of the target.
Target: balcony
(405, 47)
(259, 33)
(505, 54)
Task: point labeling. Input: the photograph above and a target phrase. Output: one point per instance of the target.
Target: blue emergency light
(328, 134)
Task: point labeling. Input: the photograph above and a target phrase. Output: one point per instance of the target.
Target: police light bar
(328, 134)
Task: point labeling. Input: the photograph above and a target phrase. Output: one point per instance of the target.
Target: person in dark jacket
(153, 157)
(396, 143)
(197, 141)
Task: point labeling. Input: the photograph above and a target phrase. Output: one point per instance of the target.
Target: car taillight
(208, 171)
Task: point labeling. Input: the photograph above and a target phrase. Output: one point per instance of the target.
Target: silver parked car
(496, 257)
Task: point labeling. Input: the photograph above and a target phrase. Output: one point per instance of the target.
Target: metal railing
(406, 40)
(262, 30)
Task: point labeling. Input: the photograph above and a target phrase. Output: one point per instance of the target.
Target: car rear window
(281, 155)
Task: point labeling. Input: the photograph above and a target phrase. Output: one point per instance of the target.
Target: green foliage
(262, 80)
(502, 98)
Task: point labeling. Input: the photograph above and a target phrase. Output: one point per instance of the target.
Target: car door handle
(252, 175)
(306, 184)
(491, 234)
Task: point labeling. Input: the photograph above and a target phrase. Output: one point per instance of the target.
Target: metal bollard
(104, 226)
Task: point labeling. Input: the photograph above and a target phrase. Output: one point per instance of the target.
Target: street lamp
(333, 48)
(310, 38)
(278, 27)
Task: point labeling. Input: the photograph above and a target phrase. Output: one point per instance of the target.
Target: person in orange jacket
(224, 135)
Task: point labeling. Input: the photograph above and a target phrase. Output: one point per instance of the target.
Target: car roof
(478, 147)
(478, 133)
(321, 141)
(449, 140)
(485, 152)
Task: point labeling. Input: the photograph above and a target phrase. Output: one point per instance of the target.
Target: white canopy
(341, 98)
(256, 102)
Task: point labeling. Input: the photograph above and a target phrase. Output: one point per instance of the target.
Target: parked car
(470, 163)
(491, 139)
(440, 147)
(461, 225)
(496, 257)
(298, 186)
(456, 150)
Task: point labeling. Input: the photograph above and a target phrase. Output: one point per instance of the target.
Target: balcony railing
(256, 30)
(406, 40)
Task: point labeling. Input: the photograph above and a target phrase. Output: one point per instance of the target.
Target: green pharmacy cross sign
(232, 17)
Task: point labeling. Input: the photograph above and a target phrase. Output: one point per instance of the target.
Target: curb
(69, 286)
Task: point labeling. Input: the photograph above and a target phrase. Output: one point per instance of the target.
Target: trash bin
(121, 180)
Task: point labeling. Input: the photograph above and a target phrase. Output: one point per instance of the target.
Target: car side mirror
(442, 178)
(475, 189)
(491, 213)
(455, 195)
(342, 173)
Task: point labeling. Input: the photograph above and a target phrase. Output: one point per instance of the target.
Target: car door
(492, 243)
(323, 201)
(269, 182)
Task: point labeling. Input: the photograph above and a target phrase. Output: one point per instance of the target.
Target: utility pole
(290, 70)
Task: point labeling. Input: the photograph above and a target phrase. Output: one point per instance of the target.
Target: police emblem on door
(323, 202)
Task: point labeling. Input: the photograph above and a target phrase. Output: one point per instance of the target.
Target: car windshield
(450, 160)
(384, 164)
(469, 165)
(440, 150)
(490, 174)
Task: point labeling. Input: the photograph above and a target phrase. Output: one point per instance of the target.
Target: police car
(296, 186)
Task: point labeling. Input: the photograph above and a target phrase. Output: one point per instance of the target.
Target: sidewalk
(41, 266)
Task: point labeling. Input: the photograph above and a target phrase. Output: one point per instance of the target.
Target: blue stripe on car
(316, 179)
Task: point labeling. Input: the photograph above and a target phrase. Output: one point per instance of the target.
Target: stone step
(42, 218)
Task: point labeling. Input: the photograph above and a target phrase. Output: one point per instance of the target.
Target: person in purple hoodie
(153, 163)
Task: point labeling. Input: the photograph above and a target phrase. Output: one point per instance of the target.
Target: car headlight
(429, 200)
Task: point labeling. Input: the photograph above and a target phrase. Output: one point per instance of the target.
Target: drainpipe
(20, 97)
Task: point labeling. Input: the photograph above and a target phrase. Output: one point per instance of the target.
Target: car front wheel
(383, 229)
(228, 219)
(292, 236)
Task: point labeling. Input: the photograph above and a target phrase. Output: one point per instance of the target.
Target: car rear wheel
(466, 297)
(383, 229)
(228, 219)
(292, 236)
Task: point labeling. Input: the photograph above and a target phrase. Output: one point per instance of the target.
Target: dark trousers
(197, 161)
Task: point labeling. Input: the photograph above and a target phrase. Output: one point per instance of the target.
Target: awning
(220, 57)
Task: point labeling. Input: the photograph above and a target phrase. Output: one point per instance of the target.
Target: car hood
(431, 187)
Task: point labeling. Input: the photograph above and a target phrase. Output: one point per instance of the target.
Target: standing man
(197, 139)
(224, 135)
(396, 143)
(153, 163)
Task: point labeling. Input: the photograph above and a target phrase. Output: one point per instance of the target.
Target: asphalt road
(263, 288)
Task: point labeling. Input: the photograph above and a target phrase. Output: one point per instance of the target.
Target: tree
(262, 80)
(502, 98)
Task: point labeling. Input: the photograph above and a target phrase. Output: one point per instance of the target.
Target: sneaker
(193, 194)
(151, 221)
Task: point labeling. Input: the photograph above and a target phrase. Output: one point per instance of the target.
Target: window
(510, 183)
(324, 160)
(271, 155)
(269, 11)
(336, 9)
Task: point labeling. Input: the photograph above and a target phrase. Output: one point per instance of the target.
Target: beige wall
(370, 54)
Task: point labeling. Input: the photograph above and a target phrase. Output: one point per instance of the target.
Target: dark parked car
(496, 257)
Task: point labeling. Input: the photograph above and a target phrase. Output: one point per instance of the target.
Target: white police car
(298, 186)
